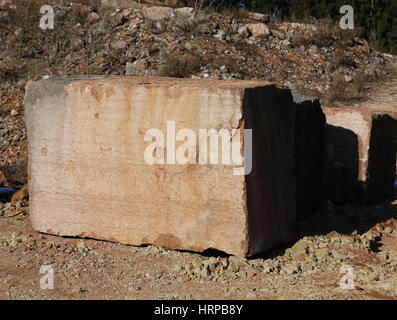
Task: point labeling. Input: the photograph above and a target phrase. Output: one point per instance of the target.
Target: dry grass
(188, 26)
(322, 36)
(338, 89)
(10, 71)
(342, 59)
(344, 91)
(326, 34)
(180, 66)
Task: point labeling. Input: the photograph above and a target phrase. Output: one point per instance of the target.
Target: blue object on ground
(6, 194)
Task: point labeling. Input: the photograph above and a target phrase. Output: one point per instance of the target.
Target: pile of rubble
(318, 59)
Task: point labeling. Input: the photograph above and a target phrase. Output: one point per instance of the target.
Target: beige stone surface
(88, 176)
(158, 13)
(360, 122)
(375, 132)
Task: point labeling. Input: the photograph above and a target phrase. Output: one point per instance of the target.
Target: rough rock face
(361, 155)
(136, 4)
(89, 175)
(309, 154)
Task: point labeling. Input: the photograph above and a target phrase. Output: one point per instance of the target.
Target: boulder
(259, 16)
(123, 4)
(158, 13)
(185, 12)
(126, 159)
(259, 30)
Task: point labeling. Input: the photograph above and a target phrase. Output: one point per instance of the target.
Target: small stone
(338, 256)
(14, 112)
(129, 69)
(346, 241)
(177, 268)
(321, 254)
(3, 132)
(136, 68)
(291, 268)
(197, 271)
(234, 264)
(286, 43)
(388, 229)
(81, 247)
(244, 32)
(306, 267)
(205, 272)
(119, 45)
(134, 288)
(189, 268)
(235, 27)
(92, 16)
(221, 35)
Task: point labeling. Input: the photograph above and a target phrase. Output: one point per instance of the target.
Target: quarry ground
(364, 238)
(384, 95)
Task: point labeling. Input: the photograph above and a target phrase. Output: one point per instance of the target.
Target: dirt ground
(364, 238)
(384, 95)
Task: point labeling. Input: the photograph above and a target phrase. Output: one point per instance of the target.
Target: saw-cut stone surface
(309, 155)
(360, 154)
(88, 176)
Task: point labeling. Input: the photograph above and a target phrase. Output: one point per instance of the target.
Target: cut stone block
(88, 175)
(341, 164)
(309, 155)
(360, 155)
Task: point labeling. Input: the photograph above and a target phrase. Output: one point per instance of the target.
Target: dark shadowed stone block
(309, 154)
